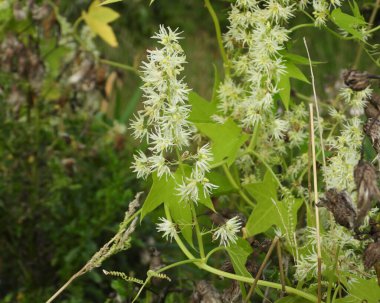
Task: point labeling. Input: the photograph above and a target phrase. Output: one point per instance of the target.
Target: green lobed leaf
(206, 200)
(216, 85)
(292, 71)
(348, 23)
(220, 179)
(355, 9)
(297, 59)
(201, 109)
(162, 190)
(295, 72)
(181, 214)
(226, 139)
(265, 213)
(239, 253)
(284, 90)
(362, 291)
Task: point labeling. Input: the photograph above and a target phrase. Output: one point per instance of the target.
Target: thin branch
(73, 277)
(316, 104)
(113, 246)
(281, 267)
(258, 275)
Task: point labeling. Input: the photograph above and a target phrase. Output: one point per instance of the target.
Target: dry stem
(267, 256)
(316, 200)
(281, 267)
(113, 246)
(316, 104)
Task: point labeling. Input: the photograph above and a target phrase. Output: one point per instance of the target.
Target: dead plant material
(341, 206)
(205, 292)
(232, 294)
(357, 80)
(366, 183)
(372, 129)
(372, 109)
(372, 258)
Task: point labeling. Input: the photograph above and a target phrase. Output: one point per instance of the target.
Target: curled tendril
(152, 273)
(123, 276)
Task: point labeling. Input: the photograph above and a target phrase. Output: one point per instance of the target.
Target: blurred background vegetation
(65, 152)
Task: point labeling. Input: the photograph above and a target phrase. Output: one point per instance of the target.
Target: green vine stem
(214, 250)
(254, 137)
(120, 65)
(198, 232)
(289, 290)
(181, 245)
(201, 264)
(236, 186)
(258, 156)
(328, 29)
(218, 36)
(294, 28)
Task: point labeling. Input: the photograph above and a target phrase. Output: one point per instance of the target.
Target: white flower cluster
(337, 241)
(253, 41)
(340, 169)
(322, 10)
(227, 232)
(168, 228)
(163, 121)
(356, 100)
(188, 190)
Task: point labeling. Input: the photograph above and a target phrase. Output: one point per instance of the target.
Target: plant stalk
(319, 258)
(261, 269)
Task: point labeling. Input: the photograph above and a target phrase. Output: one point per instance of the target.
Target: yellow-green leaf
(101, 29)
(109, 2)
(102, 14)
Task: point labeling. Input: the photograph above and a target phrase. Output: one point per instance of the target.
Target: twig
(319, 259)
(73, 277)
(316, 104)
(267, 256)
(281, 267)
(113, 246)
(309, 166)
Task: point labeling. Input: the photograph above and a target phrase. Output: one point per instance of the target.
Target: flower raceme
(163, 122)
